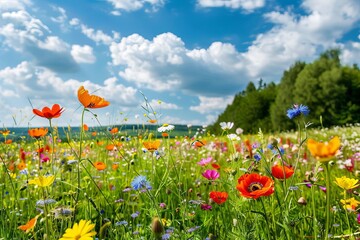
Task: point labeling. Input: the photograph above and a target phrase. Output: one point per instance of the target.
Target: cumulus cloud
(248, 5)
(14, 4)
(158, 104)
(212, 104)
(29, 35)
(164, 63)
(134, 5)
(97, 36)
(83, 54)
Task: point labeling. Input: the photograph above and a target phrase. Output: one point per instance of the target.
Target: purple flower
(206, 207)
(162, 205)
(135, 214)
(297, 110)
(211, 174)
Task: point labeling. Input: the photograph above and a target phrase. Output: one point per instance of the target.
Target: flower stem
(327, 223)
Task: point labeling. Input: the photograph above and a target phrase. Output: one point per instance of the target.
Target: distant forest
(330, 90)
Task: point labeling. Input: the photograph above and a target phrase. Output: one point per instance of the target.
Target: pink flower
(205, 161)
(211, 174)
(44, 158)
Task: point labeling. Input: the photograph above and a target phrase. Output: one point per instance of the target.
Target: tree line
(330, 90)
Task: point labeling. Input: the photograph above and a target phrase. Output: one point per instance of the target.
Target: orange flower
(198, 143)
(219, 197)
(324, 151)
(5, 133)
(152, 121)
(165, 134)
(216, 166)
(37, 132)
(249, 147)
(110, 147)
(48, 113)
(91, 101)
(152, 145)
(9, 141)
(29, 225)
(254, 185)
(115, 166)
(114, 130)
(282, 172)
(85, 127)
(93, 134)
(21, 166)
(99, 166)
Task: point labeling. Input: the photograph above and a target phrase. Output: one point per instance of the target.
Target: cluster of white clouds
(164, 63)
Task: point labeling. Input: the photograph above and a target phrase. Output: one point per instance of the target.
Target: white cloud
(161, 105)
(164, 63)
(62, 17)
(54, 43)
(98, 36)
(74, 22)
(248, 5)
(134, 5)
(212, 104)
(14, 4)
(83, 54)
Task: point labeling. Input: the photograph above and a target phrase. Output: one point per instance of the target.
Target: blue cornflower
(125, 223)
(140, 182)
(297, 110)
(135, 214)
(193, 229)
(257, 157)
(45, 202)
(166, 236)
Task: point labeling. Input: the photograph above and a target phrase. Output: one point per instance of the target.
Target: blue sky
(188, 58)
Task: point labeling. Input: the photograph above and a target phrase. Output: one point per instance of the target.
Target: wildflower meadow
(154, 184)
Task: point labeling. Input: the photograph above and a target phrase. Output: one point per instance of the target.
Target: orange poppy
(93, 134)
(8, 141)
(198, 143)
(254, 185)
(282, 172)
(21, 166)
(152, 121)
(219, 197)
(115, 166)
(165, 134)
(152, 145)
(114, 130)
(29, 225)
(85, 127)
(324, 151)
(37, 132)
(249, 147)
(99, 166)
(48, 113)
(91, 101)
(110, 147)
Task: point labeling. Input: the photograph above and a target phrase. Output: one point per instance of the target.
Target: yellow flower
(43, 181)
(350, 204)
(324, 151)
(80, 231)
(346, 183)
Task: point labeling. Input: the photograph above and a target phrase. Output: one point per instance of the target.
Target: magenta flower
(205, 206)
(211, 174)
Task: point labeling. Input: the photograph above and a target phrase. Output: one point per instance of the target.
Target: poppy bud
(156, 226)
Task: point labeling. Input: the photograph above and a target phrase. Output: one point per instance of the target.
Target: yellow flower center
(77, 237)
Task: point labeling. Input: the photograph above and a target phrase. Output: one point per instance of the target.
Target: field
(157, 185)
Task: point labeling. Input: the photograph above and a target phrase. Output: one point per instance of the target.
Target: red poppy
(37, 132)
(219, 197)
(254, 185)
(216, 166)
(48, 113)
(282, 172)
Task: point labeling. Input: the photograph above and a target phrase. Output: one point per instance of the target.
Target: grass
(176, 189)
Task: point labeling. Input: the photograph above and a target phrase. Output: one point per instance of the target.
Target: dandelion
(140, 182)
(324, 151)
(282, 172)
(166, 128)
(91, 101)
(226, 126)
(43, 181)
(297, 110)
(211, 174)
(82, 230)
(219, 197)
(346, 183)
(254, 185)
(29, 226)
(48, 113)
